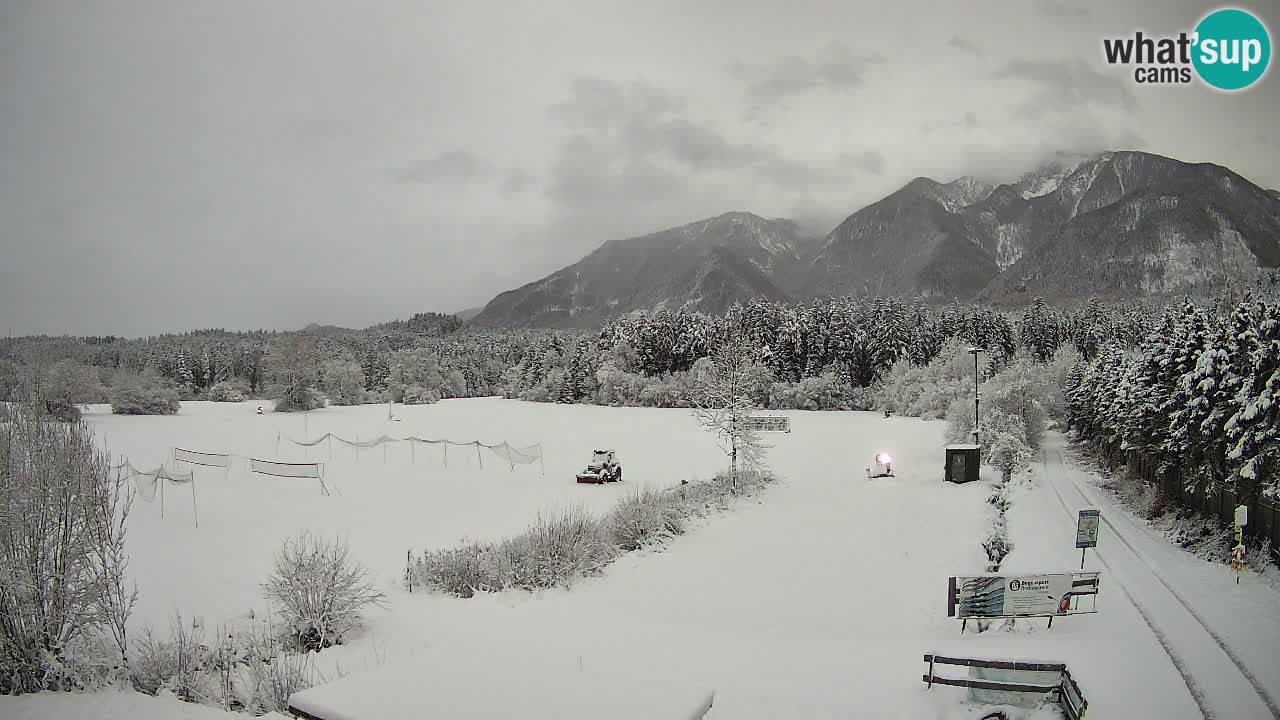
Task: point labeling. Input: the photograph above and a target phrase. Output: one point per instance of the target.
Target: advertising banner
(997, 596)
(770, 423)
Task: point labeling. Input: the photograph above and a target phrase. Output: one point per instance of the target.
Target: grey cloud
(872, 161)
(637, 158)
(1067, 86)
(448, 166)
(835, 68)
(516, 182)
(636, 128)
(969, 121)
(966, 46)
(1056, 8)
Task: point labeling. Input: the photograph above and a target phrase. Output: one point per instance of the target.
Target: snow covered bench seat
(479, 685)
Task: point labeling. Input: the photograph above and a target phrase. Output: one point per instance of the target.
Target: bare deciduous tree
(63, 511)
(293, 372)
(723, 403)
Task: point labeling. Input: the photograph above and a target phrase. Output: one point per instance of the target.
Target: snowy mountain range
(1114, 225)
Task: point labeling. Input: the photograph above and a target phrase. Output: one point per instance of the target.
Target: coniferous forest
(1191, 386)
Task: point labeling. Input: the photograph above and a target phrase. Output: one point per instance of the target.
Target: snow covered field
(386, 501)
(816, 600)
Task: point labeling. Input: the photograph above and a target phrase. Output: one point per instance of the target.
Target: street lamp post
(975, 351)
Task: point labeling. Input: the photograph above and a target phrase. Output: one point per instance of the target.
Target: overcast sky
(174, 165)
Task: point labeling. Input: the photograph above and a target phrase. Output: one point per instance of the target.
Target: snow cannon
(603, 468)
(883, 466)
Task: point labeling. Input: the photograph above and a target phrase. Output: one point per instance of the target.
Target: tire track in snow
(1218, 640)
(1193, 688)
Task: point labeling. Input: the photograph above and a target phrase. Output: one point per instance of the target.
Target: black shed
(962, 463)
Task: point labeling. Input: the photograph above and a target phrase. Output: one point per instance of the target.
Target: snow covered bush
(242, 670)
(177, 664)
(418, 395)
(927, 392)
(556, 550)
(230, 391)
(63, 597)
(143, 393)
(1021, 389)
(560, 549)
(1003, 438)
(319, 591)
(827, 391)
(421, 369)
(646, 516)
(343, 382)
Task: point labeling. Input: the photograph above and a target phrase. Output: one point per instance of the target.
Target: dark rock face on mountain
(704, 266)
(913, 242)
(1115, 225)
(1128, 224)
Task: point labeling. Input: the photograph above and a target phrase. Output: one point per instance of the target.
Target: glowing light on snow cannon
(883, 466)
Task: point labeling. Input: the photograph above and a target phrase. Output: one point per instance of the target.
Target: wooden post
(357, 448)
(160, 481)
(384, 453)
(930, 671)
(413, 460)
(329, 439)
(195, 514)
(510, 460)
(446, 453)
(540, 464)
(477, 443)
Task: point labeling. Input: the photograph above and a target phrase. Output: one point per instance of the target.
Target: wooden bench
(1065, 691)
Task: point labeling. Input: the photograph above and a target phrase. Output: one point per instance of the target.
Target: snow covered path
(1222, 637)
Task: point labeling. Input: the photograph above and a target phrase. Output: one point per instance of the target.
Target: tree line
(817, 355)
(1199, 396)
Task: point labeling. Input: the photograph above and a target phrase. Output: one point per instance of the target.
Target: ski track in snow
(1180, 628)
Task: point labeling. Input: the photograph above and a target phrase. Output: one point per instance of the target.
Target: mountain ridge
(1137, 224)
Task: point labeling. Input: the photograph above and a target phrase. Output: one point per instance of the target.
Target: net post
(477, 444)
(413, 460)
(195, 513)
(446, 454)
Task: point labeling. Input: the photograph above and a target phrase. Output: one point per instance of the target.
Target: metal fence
(1264, 517)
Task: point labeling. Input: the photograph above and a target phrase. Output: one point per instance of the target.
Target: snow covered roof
(471, 686)
(963, 446)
